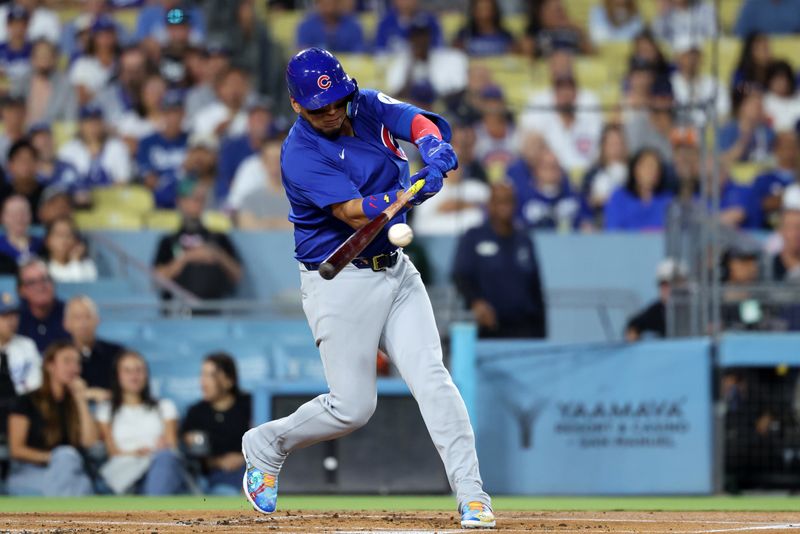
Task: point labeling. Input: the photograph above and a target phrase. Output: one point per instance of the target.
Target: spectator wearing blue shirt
(545, 199)
(16, 242)
(329, 27)
(41, 315)
(15, 53)
(768, 16)
(768, 187)
(50, 169)
(152, 21)
(642, 203)
(234, 150)
(748, 137)
(21, 178)
(160, 155)
(484, 33)
(754, 61)
(497, 273)
(393, 29)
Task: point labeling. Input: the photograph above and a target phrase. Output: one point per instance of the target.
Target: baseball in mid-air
(400, 235)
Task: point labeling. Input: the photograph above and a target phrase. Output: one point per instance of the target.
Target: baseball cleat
(477, 515)
(260, 488)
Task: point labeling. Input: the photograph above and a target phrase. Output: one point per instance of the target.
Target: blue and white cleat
(260, 488)
(477, 515)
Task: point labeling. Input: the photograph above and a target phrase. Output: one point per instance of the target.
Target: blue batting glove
(433, 184)
(437, 154)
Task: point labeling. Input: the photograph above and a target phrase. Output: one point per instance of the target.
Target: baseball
(400, 235)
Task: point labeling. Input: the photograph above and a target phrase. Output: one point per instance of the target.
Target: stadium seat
(63, 131)
(131, 198)
(728, 13)
(108, 220)
(363, 68)
(164, 220)
(729, 50)
(283, 25)
(745, 173)
(451, 22)
(786, 47)
(217, 221)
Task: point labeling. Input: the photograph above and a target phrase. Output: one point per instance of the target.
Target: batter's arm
(351, 212)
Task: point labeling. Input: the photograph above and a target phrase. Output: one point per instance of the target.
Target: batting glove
(433, 184)
(437, 154)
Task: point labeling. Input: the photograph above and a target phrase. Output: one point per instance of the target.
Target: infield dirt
(162, 522)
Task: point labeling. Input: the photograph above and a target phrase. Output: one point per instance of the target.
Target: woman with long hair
(754, 62)
(550, 28)
(484, 33)
(609, 172)
(67, 260)
(140, 433)
(642, 203)
(213, 428)
(49, 427)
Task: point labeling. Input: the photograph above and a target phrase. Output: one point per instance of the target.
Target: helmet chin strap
(352, 102)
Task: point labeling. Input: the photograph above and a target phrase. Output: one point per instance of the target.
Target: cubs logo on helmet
(315, 78)
(324, 81)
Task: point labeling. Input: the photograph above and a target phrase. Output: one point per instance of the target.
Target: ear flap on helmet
(352, 102)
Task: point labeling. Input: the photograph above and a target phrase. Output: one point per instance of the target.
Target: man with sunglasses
(41, 315)
(341, 167)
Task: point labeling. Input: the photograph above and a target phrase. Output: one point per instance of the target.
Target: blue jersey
(162, 157)
(318, 171)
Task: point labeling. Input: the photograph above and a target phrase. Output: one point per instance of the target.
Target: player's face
(327, 120)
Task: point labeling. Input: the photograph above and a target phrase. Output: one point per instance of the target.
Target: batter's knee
(355, 414)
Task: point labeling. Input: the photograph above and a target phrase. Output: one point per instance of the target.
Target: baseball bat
(356, 243)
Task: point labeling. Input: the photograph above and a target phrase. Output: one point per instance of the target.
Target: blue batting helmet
(316, 78)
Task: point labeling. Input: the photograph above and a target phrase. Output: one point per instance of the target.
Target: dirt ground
(398, 522)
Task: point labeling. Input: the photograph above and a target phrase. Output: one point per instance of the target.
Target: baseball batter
(341, 167)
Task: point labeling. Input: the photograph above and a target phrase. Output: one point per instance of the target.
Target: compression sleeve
(422, 126)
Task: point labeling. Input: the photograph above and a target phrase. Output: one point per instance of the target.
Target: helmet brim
(327, 96)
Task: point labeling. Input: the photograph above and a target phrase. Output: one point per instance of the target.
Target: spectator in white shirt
(685, 18)
(44, 23)
(614, 20)
(67, 260)
(228, 115)
(23, 362)
(145, 118)
(91, 72)
(781, 101)
(690, 87)
(444, 69)
(609, 172)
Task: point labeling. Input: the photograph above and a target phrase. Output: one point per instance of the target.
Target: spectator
(421, 63)
(90, 73)
(20, 363)
(573, 127)
(200, 167)
(614, 20)
(13, 118)
(235, 150)
(15, 50)
(54, 203)
(394, 28)
(768, 188)
(693, 89)
(741, 310)
(332, 27)
(652, 127)
(140, 434)
(545, 200)
(48, 427)
(465, 139)
(781, 101)
(459, 206)
(609, 172)
(770, 16)
(17, 243)
(44, 23)
(495, 134)
(785, 265)
(50, 170)
(748, 136)
(213, 427)
(67, 260)
(161, 154)
(549, 28)
(123, 93)
(146, 118)
(652, 321)
(175, 48)
(466, 105)
(679, 20)
(100, 159)
(74, 30)
(215, 62)
(642, 203)
(21, 178)
(50, 96)
(152, 21)
(484, 33)
(646, 50)
(41, 315)
(227, 116)
(98, 356)
(754, 62)
(203, 262)
(497, 273)
(255, 50)
(257, 194)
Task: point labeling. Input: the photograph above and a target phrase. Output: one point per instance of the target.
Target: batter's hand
(437, 154)
(433, 184)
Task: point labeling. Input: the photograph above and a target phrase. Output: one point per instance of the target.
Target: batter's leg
(411, 340)
(346, 316)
